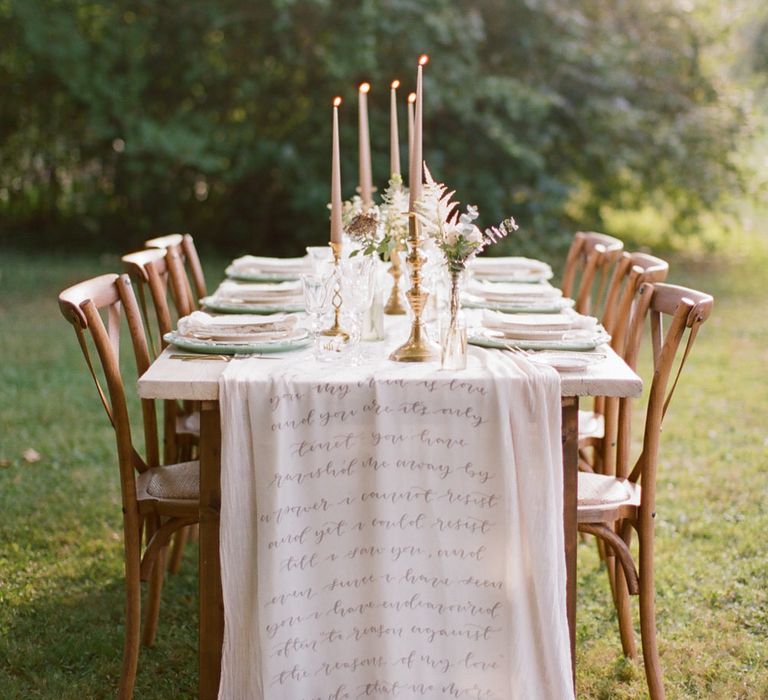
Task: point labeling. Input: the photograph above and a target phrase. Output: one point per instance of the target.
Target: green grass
(60, 547)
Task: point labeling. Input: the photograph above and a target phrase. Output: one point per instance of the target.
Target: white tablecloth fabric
(393, 531)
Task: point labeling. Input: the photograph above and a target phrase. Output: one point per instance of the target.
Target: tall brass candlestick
(418, 347)
(394, 305)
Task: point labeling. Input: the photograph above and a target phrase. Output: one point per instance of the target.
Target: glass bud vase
(373, 319)
(453, 354)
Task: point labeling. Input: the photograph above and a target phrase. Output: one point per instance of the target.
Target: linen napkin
(510, 267)
(259, 293)
(562, 326)
(204, 326)
(269, 266)
(513, 292)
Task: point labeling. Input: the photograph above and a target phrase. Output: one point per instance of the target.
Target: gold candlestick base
(336, 330)
(418, 347)
(394, 306)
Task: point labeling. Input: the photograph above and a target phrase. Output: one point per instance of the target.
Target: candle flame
(364, 87)
(423, 59)
(395, 84)
(412, 97)
(336, 101)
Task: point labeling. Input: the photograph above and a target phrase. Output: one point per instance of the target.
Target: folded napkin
(564, 326)
(513, 292)
(231, 291)
(510, 267)
(231, 327)
(270, 266)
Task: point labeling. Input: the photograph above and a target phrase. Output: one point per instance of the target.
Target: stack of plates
(256, 298)
(202, 332)
(565, 331)
(515, 297)
(251, 268)
(510, 269)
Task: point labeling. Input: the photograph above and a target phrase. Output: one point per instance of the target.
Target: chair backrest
(631, 271)
(591, 256)
(185, 246)
(148, 270)
(83, 305)
(686, 310)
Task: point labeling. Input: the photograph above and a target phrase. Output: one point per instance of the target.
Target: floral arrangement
(455, 233)
(382, 228)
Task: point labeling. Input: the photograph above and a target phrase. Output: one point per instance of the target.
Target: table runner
(407, 524)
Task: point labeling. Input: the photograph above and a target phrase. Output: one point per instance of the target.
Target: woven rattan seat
(175, 482)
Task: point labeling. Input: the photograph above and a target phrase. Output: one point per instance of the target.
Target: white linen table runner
(393, 531)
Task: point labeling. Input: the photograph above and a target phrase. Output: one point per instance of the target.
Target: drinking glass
(357, 291)
(318, 293)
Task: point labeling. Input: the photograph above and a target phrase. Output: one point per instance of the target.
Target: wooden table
(170, 378)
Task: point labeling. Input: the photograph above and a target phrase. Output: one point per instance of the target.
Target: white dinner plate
(567, 361)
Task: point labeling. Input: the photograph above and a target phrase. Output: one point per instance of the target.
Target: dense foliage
(122, 118)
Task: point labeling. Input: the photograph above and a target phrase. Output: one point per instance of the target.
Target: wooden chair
(150, 272)
(612, 506)
(590, 257)
(156, 500)
(184, 246)
(597, 428)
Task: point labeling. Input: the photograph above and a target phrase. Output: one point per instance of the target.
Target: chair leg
(132, 535)
(624, 614)
(154, 590)
(177, 550)
(152, 606)
(651, 661)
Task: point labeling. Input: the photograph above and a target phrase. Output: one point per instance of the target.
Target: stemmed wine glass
(318, 291)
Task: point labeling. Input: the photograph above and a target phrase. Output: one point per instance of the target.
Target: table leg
(570, 429)
(211, 603)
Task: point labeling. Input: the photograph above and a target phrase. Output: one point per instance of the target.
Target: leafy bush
(123, 119)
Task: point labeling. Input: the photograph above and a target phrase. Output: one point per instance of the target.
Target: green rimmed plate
(237, 307)
(217, 347)
(490, 339)
(260, 276)
(554, 306)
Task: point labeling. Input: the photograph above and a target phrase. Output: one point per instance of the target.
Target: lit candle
(411, 102)
(336, 225)
(415, 175)
(366, 179)
(394, 137)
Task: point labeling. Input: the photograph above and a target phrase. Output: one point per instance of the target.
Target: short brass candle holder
(418, 347)
(336, 330)
(394, 306)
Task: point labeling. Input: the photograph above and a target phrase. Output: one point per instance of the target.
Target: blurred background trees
(121, 119)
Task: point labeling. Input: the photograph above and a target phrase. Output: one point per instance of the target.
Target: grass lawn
(61, 596)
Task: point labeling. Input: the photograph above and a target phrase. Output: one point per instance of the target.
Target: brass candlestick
(418, 347)
(394, 305)
(336, 330)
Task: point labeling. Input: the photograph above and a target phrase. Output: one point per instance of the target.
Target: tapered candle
(415, 175)
(366, 179)
(411, 103)
(336, 224)
(394, 136)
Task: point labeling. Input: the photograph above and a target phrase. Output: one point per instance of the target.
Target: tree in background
(124, 118)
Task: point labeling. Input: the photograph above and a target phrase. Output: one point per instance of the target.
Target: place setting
(510, 269)
(235, 334)
(253, 268)
(234, 297)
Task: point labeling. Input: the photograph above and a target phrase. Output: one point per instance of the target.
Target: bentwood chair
(611, 506)
(150, 272)
(156, 500)
(597, 428)
(184, 263)
(590, 258)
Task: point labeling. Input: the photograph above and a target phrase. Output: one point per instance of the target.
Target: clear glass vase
(453, 354)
